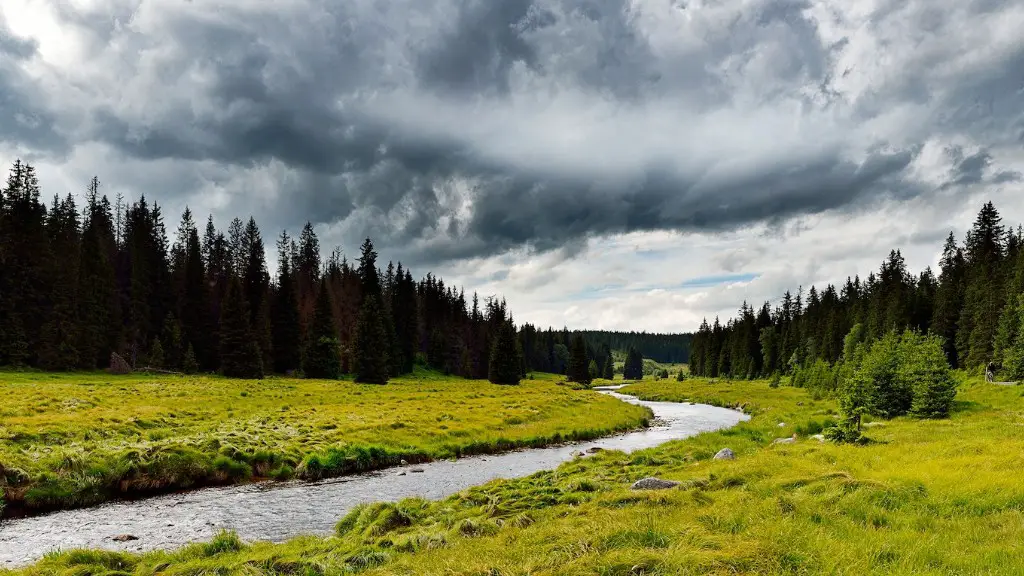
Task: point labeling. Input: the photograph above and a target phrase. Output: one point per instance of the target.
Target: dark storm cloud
(24, 119)
(437, 126)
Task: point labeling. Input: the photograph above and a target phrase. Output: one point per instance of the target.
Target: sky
(605, 164)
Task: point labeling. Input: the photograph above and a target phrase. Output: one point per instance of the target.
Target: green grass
(70, 440)
(924, 497)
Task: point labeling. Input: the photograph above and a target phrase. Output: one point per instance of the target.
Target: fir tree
(372, 342)
(189, 364)
(579, 369)
(240, 355)
(504, 366)
(609, 368)
(322, 358)
(286, 327)
(156, 354)
(371, 346)
(634, 366)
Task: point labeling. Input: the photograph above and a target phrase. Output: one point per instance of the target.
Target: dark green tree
(286, 327)
(634, 366)
(240, 355)
(323, 349)
(372, 342)
(505, 364)
(579, 368)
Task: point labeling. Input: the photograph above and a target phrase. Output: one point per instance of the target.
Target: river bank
(276, 512)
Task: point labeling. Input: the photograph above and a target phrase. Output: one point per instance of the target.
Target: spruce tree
(240, 356)
(99, 311)
(579, 368)
(634, 366)
(189, 364)
(322, 358)
(58, 349)
(609, 368)
(156, 354)
(371, 346)
(505, 365)
(286, 328)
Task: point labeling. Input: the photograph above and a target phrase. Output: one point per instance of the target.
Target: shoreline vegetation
(80, 439)
(904, 502)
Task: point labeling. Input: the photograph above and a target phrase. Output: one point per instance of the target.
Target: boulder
(595, 450)
(416, 470)
(819, 438)
(785, 441)
(782, 424)
(653, 484)
(725, 454)
(125, 538)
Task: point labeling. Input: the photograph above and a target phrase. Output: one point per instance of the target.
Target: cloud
(457, 131)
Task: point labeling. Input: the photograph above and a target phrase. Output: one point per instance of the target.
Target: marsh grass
(924, 497)
(69, 440)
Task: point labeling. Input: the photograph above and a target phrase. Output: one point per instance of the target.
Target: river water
(277, 511)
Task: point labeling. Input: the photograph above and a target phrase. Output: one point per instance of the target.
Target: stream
(277, 511)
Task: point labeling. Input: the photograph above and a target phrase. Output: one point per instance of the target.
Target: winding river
(277, 511)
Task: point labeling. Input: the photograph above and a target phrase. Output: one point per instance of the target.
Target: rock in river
(653, 484)
(124, 538)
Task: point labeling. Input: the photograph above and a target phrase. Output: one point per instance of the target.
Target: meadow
(923, 497)
(71, 440)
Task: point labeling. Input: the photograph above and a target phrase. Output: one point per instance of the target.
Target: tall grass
(924, 497)
(69, 440)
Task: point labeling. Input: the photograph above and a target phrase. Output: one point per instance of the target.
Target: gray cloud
(460, 128)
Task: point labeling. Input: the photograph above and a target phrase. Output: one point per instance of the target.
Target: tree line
(79, 284)
(974, 308)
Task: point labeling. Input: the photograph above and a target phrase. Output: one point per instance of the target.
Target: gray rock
(404, 463)
(782, 424)
(595, 450)
(725, 454)
(819, 438)
(785, 441)
(873, 424)
(401, 473)
(653, 484)
(124, 538)
(416, 470)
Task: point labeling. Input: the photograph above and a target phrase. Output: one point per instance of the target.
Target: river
(277, 511)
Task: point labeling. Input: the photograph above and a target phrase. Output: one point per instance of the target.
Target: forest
(81, 283)
(974, 306)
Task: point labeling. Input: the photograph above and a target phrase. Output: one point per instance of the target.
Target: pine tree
(371, 346)
(240, 355)
(189, 364)
(156, 354)
(58, 348)
(579, 369)
(634, 366)
(99, 311)
(609, 368)
(286, 325)
(505, 364)
(322, 358)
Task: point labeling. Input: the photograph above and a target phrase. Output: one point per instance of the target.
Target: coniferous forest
(79, 283)
(974, 305)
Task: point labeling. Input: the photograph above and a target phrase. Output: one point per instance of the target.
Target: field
(70, 440)
(934, 497)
